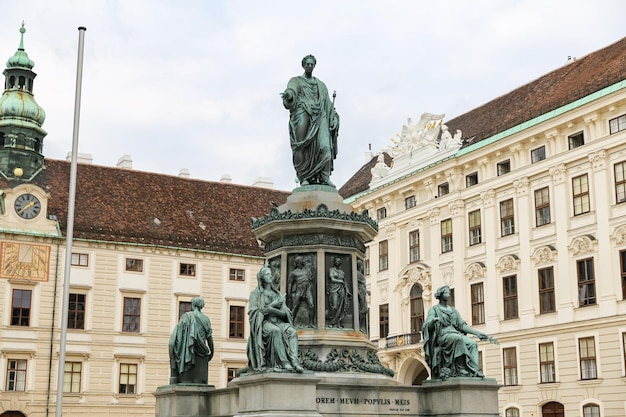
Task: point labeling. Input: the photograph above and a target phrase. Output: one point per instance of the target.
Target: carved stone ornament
(508, 263)
(390, 230)
(433, 215)
(620, 235)
(415, 223)
(381, 169)
(598, 159)
(558, 173)
(488, 197)
(411, 276)
(456, 207)
(583, 245)
(544, 255)
(345, 360)
(413, 136)
(475, 271)
(521, 185)
(383, 291)
(447, 275)
(321, 211)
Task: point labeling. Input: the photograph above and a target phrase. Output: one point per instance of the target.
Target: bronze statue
(191, 346)
(273, 341)
(301, 290)
(313, 126)
(362, 295)
(449, 351)
(338, 295)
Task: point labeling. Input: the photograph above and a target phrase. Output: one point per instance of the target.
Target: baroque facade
(522, 212)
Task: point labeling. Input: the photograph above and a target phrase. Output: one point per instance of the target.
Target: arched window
(553, 409)
(11, 81)
(22, 82)
(591, 410)
(417, 308)
(511, 412)
(12, 414)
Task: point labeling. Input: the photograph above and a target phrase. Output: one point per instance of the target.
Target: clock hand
(32, 203)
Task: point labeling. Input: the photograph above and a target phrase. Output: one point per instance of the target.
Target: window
(16, 375)
(471, 179)
(478, 304)
(624, 347)
(576, 140)
(591, 410)
(546, 290)
(446, 236)
(620, 182)
(507, 218)
(474, 227)
(553, 409)
(443, 189)
(132, 314)
(366, 262)
(231, 373)
(20, 307)
(504, 167)
(618, 124)
(134, 265)
(509, 289)
(71, 376)
(546, 362)
(414, 246)
(76, 311)
(188, 270)
(580, 191)
(235, 274)
(409, 202)
(587, 352)
(622, 262)
(509, 359)
(480, 361)
(80, 259)
(538, 154)
(383, 255)
(383, 320)
(417, 308)
(381, 213)
(451, 300)
(542, 206)
(236, 320)
(586, 282)
(128, 378)
(511, 412)
(183, 307)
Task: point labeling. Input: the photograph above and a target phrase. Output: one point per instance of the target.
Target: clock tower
(21, 118)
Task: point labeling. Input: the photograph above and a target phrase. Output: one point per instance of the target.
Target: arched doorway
(12, 414)
(553, 409)
(412, 372)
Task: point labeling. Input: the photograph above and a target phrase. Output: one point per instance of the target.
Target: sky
(196, 84)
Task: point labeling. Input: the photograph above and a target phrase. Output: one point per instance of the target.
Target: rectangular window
(231, 373)
(620, 182)
(183, 307)
(586, 282)
(618, 124)
(236, 320)
(383, 314)
(134, 265)
(587, 352)
(235, 274)
(20, 307)
(473, 218)
(446, 236)
(622, 263)
(383, 255)
(187, 270)
(80, 259)
(414, 246)
(624, 347)
(381, 213)
(451, 300)
(409, 202)
(71, 376)
(580, 192)
(511, 412)
(504, 167)
(509, 359)
(591, 410)
(443, 189)
(538, 154)
(478, 304)
(509, 289)
(542, 206)
(132, 314)
(546, 290)
(128, 378)
(480, 361)
(366, 261)
(507, 217)
(16, 375)
(546, 362)
(576, 140)
(471, 179)
(76, 311)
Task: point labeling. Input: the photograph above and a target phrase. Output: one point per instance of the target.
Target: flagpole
(70, 225)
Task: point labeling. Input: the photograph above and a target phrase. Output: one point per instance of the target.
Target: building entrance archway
(12, 414)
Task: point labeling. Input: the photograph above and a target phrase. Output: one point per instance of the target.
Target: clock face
(27, 206)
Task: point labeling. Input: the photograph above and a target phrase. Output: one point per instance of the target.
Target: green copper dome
(20, 59)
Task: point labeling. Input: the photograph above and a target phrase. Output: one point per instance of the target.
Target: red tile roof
(564, 85)
(122, 205)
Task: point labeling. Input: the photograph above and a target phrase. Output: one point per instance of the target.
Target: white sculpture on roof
(418, 135)
(448, 141)
(381, 169)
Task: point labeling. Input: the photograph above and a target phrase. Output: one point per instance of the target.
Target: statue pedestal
(459, 397)
(183, 400)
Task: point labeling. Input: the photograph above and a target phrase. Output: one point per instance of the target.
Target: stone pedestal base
(189, 400)
(459, 397)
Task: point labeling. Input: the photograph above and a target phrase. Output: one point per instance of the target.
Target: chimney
(125, 162)
(184, 172)
(81, 158)
(226, 178)
(263, 182)
(368, 154)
